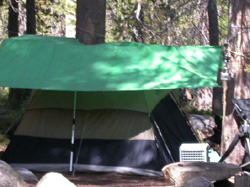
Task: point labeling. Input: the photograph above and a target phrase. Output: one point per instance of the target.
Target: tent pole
(73, 134)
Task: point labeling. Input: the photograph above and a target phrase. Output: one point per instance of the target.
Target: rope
(89, 31)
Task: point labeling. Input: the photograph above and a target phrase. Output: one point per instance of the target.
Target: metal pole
(246, 132)
(73, 134)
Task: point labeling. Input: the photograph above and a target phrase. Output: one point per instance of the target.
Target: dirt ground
(109, 180)
(119, 180)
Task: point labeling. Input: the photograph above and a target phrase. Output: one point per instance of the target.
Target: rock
(53, 179)
(26, 175)
(9, 177)
(203, 123)
(180, 173)
(198, 182)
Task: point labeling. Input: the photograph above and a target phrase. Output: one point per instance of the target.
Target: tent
(124, 119)
(106, 140)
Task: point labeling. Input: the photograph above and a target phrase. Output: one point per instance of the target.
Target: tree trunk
(213, 23)
(31, 17)
(204, 99)
(30, 29)
(12, 32)
(214, 41)
(13, 19)
(90, 21)
(18, 96)
(238, 86)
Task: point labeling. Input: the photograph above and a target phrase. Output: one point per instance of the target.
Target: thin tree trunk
(14, 96)
(214, 41)
(30, 29)
(31, 17)
(18, 96)
(13, 19)
(213, 23)
(238, 86)
(90, 21)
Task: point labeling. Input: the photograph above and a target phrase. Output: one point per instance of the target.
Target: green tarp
(56, 63)
(141, 101)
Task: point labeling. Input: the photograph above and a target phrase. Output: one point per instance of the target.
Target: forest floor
(119, 180)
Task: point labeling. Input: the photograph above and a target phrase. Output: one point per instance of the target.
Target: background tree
(214, 41)
(50, 17)
(13, 19)
(31, 17)
(30, 29)
(156, 21)
(90, 21)
(238, 86)
(15, 96)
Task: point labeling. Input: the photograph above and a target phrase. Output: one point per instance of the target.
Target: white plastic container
(194, 152)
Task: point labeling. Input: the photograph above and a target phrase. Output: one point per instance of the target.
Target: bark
(204, 99)
(213, 23)
(214, 41)
(13, 19)
(31, 17)
(182, 172)
(30, 29)
(12, 32)
(238, 86)
(90, 21)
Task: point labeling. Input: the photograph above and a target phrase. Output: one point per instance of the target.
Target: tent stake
(73, 134)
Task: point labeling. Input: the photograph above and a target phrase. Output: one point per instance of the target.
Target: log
(198, 182)
(241, 181)
(180, 173)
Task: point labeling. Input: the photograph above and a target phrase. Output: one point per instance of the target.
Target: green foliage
(222, 9)
(4, 92)
(51, 17)
(182, 22)
(194, 110)
(11, 117)
(160, 22)
(8, 116)
(4, 142)
(247, 69)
